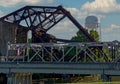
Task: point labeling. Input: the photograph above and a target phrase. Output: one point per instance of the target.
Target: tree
(95, 35)
(80, 37)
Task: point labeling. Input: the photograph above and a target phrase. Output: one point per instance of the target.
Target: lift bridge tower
(93, 23)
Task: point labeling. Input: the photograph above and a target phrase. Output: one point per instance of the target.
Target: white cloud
(7, 3)
(77, 13)
(111, 33)
(65, 29)
(112, 28)
(1, 13)
(101, 6)
(74, 11)
(82, 14)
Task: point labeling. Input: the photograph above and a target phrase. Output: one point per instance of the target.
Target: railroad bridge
(64, 57)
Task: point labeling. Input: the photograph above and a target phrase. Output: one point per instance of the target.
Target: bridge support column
(19, 78)
(106, 78)
(9, 78)
(22, 78)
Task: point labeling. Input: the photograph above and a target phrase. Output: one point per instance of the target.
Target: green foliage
(29, 41)
(80, 37)
(95, 35)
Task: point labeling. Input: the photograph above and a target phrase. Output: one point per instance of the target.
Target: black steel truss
(45, 17)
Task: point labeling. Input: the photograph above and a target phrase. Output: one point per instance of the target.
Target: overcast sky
(108, 11)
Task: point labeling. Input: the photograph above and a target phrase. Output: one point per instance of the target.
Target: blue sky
(108, 11)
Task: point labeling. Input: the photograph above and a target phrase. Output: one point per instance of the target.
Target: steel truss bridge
(64, 52)
(66, 58)
(63, 58)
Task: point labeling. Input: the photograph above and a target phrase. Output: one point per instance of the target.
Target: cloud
(1, 13)
(74, 11)
(112, 28)
(65, 29)
(77, 13)
(101, 6)
(82, 14)
(111, 33)
(8, 3)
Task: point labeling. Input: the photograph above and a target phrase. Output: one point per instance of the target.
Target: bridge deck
(62, 68)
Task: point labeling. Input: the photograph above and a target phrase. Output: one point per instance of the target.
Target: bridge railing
(64, 52)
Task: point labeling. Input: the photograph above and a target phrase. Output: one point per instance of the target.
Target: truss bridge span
(62, 58)
(64, 52)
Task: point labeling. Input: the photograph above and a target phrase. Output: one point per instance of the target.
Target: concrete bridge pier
(9, 78)
(106, 78)
(19, 78)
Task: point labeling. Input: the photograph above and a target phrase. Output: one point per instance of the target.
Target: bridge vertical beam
(105, 78)
(9, 78)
